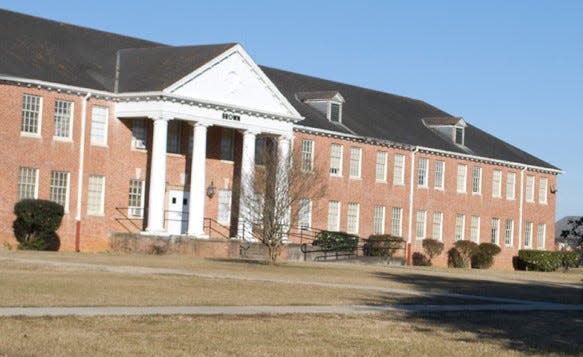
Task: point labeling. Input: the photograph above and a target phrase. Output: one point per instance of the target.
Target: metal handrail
(211, 229)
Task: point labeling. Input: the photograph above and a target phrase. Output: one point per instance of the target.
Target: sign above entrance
(230, 116)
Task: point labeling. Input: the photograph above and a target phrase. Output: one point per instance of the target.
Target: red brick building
(131, 135)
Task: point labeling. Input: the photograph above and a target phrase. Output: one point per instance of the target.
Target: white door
(177, 214)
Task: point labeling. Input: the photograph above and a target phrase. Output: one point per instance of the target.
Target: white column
(197, 181)
(283, 149)
(157, 177)
(244, 229)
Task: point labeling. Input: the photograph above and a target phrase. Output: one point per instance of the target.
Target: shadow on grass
(239, 261)
(528, 332)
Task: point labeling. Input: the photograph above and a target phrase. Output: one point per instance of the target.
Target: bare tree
(573, 236)
(272, 194)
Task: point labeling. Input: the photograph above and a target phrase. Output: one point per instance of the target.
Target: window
(460, 221)
(335, 112)
(529, 188)
(333, 216)
(422, 172)
(60, 188)
(475, 229)
(497, 184)
(136, 199)
(462, 171)
(420, 226)
(495, 232)
(509, 232)
(96, 195)
(27, 183)
(227, 147)
(31, 114)
(459, 136)
(63, 119)
(477, 180)
(379, 220)
(381, 166)
(542, 232)
(173, 137)
(99, 125)
(139, 134)
(224, 215)
(397, 222)
(336, 159)
(437, 229)
(305, 214)
(528, 234)
(262, 147)
(399, 171)
(307, 155)
(355, 156)
(439, 174)
(542, 190)
(510, 183)
(352, 218)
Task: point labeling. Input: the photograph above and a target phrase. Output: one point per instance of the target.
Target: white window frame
(439, 182)
(475, 229)
(437, 226)
(139, 133)
(59, 193)
(95, 139)
(497, 184)
(422, 171)
(510, 185)
(509, 233)
(421, 224)
(462, 178)
(355, 162)
(528, 234)
(336, 156)
(305, 214)
(381, 167)
(330, 105)
(477, 180)
(495, 231)
(529, 190)
(397, 222)
(64, 110)
(136, 211)
(352, 218)
(96, 198)
(27, 183)
(399, 170)
(541, 236)
(307, 156)
(31, 112)
(378, 225)
(224, 202)
(460, 227)
(333, 215)
(543, 187)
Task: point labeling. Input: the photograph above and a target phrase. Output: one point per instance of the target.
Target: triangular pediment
(234, 79)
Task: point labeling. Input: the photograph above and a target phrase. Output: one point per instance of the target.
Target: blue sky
(512, 68)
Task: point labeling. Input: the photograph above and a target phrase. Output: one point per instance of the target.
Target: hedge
(544, 260)
(36, 223)
(336, 241)
(383, 245)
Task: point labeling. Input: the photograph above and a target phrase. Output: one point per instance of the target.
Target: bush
(36, 223)
(483, 257)
(466, 248)
(432, 248)
(336, 241)
(543, 260)
(455, 259)
(383, 245)
(419, 259)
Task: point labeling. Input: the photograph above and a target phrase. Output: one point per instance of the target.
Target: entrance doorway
(177, 214)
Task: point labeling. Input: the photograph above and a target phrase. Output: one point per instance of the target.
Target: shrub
(543, 260)
(466, 248)
(36, 223)
(419, 259)
(483, 256)
(455, 259)
(383, 245)
(329, 240)
(432, 248)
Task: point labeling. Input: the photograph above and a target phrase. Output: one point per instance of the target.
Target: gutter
(80, 173)
(411, 196)
(520, 207)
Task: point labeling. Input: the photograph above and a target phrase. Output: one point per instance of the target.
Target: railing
(131, 223)
(213, 226)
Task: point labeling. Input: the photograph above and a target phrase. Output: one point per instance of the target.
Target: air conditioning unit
(135, 211)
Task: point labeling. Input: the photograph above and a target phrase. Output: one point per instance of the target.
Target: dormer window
(328, 103)
(451, 128)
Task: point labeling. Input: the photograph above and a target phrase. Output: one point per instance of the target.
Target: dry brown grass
(392, 334)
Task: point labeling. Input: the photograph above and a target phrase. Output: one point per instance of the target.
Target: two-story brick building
(131, 135)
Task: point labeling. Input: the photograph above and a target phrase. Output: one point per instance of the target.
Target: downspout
(520, 207)
(410, 225)
(81, 172)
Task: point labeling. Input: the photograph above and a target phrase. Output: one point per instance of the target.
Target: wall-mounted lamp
(554, 190)
(210, 191)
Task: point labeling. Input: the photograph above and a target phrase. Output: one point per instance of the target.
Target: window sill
(30, 135)
(99, 145)
(440, 189)
(231, 162)
(62, 140)
(96, 214)
(423, 187)
(143, 150)
(381, 181)
(355, 178)
(336, 175)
